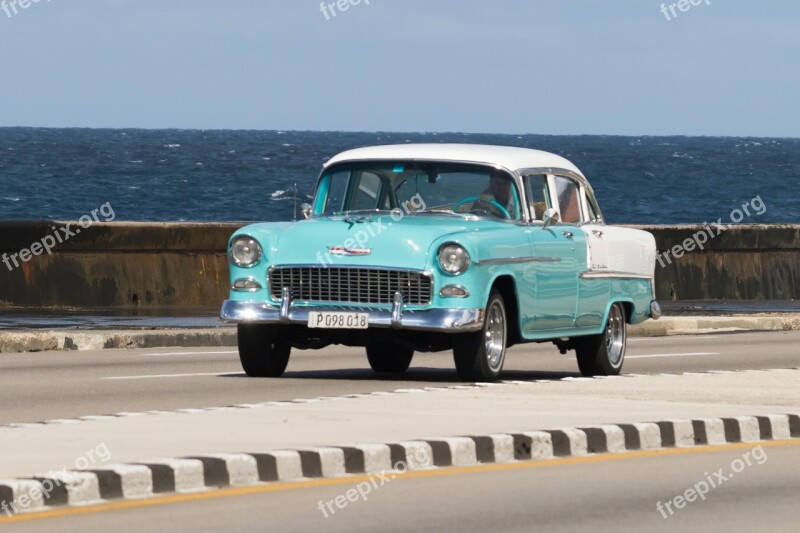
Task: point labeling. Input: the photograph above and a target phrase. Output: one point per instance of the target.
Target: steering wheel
(495, 203)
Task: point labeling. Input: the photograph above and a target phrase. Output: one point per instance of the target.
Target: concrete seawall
(184, 265)
(747, 262)
(118, 264)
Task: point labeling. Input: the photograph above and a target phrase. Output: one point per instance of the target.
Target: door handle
(598, 234)
(567, 234)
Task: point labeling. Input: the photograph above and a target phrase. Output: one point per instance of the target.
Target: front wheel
(603, 355)
(262, 351)
(389, 357)
(480, 356)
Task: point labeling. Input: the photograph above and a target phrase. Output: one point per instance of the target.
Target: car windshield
(418, 188)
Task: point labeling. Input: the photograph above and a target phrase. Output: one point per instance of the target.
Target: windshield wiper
(359, 220)
(361, 212)
(444, 212)
(348, 215)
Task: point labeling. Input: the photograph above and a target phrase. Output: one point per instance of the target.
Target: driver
(499, 191)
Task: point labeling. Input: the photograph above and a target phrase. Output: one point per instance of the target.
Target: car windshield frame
(414, 187)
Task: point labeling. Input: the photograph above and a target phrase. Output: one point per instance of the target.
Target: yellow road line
(350, 480)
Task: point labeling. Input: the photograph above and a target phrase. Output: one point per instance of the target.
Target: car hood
(372, 241)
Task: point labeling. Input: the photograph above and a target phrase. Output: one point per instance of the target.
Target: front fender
(491, 256)
(267, 236)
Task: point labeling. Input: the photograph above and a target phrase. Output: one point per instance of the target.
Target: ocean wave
(695, 178)
(289, 194)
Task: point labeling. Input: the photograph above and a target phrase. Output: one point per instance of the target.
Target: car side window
(538, 195)
(337, 189)
(568, 200)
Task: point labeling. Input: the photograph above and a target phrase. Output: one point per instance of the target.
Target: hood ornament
(341, 250)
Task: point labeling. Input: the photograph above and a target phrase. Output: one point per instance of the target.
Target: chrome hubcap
(495, 336)
(615, 337)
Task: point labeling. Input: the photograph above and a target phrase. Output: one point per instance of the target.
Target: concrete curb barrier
(677, 325)
(149, 479)
(38, 341)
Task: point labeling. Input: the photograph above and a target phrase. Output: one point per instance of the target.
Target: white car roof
(509, 157)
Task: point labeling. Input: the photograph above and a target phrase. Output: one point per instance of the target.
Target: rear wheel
(389, 357)
(480, 356)
(603, 355)
(261, 350)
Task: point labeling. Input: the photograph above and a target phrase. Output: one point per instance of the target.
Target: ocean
(228, 175)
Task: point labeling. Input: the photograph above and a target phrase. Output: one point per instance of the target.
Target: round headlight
(245, 251)
(453, 259)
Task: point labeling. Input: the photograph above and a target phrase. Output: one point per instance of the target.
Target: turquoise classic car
(436, 247)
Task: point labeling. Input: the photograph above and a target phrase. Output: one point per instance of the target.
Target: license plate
(334, 320)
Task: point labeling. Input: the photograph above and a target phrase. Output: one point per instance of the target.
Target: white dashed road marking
(187, 353)
(162, 376)
(670, 355)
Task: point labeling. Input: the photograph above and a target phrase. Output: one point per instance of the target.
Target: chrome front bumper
(655, 310)
(443, 320)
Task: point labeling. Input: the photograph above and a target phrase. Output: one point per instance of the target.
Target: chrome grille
(351, 285)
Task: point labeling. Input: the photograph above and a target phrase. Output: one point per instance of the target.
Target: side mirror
(551, 217)
(306, 210)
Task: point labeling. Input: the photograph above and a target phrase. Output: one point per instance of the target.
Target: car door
(593, 293)
(556, 252)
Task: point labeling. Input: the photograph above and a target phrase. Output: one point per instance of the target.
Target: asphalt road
(42, 386)
(757, 492)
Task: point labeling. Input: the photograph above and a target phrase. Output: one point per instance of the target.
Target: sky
(621, 67)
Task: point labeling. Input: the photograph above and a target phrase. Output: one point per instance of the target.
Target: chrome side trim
(614, 274)
(442, 320)
(512, 260)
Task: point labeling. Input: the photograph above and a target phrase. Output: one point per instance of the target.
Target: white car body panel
(620, 250)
